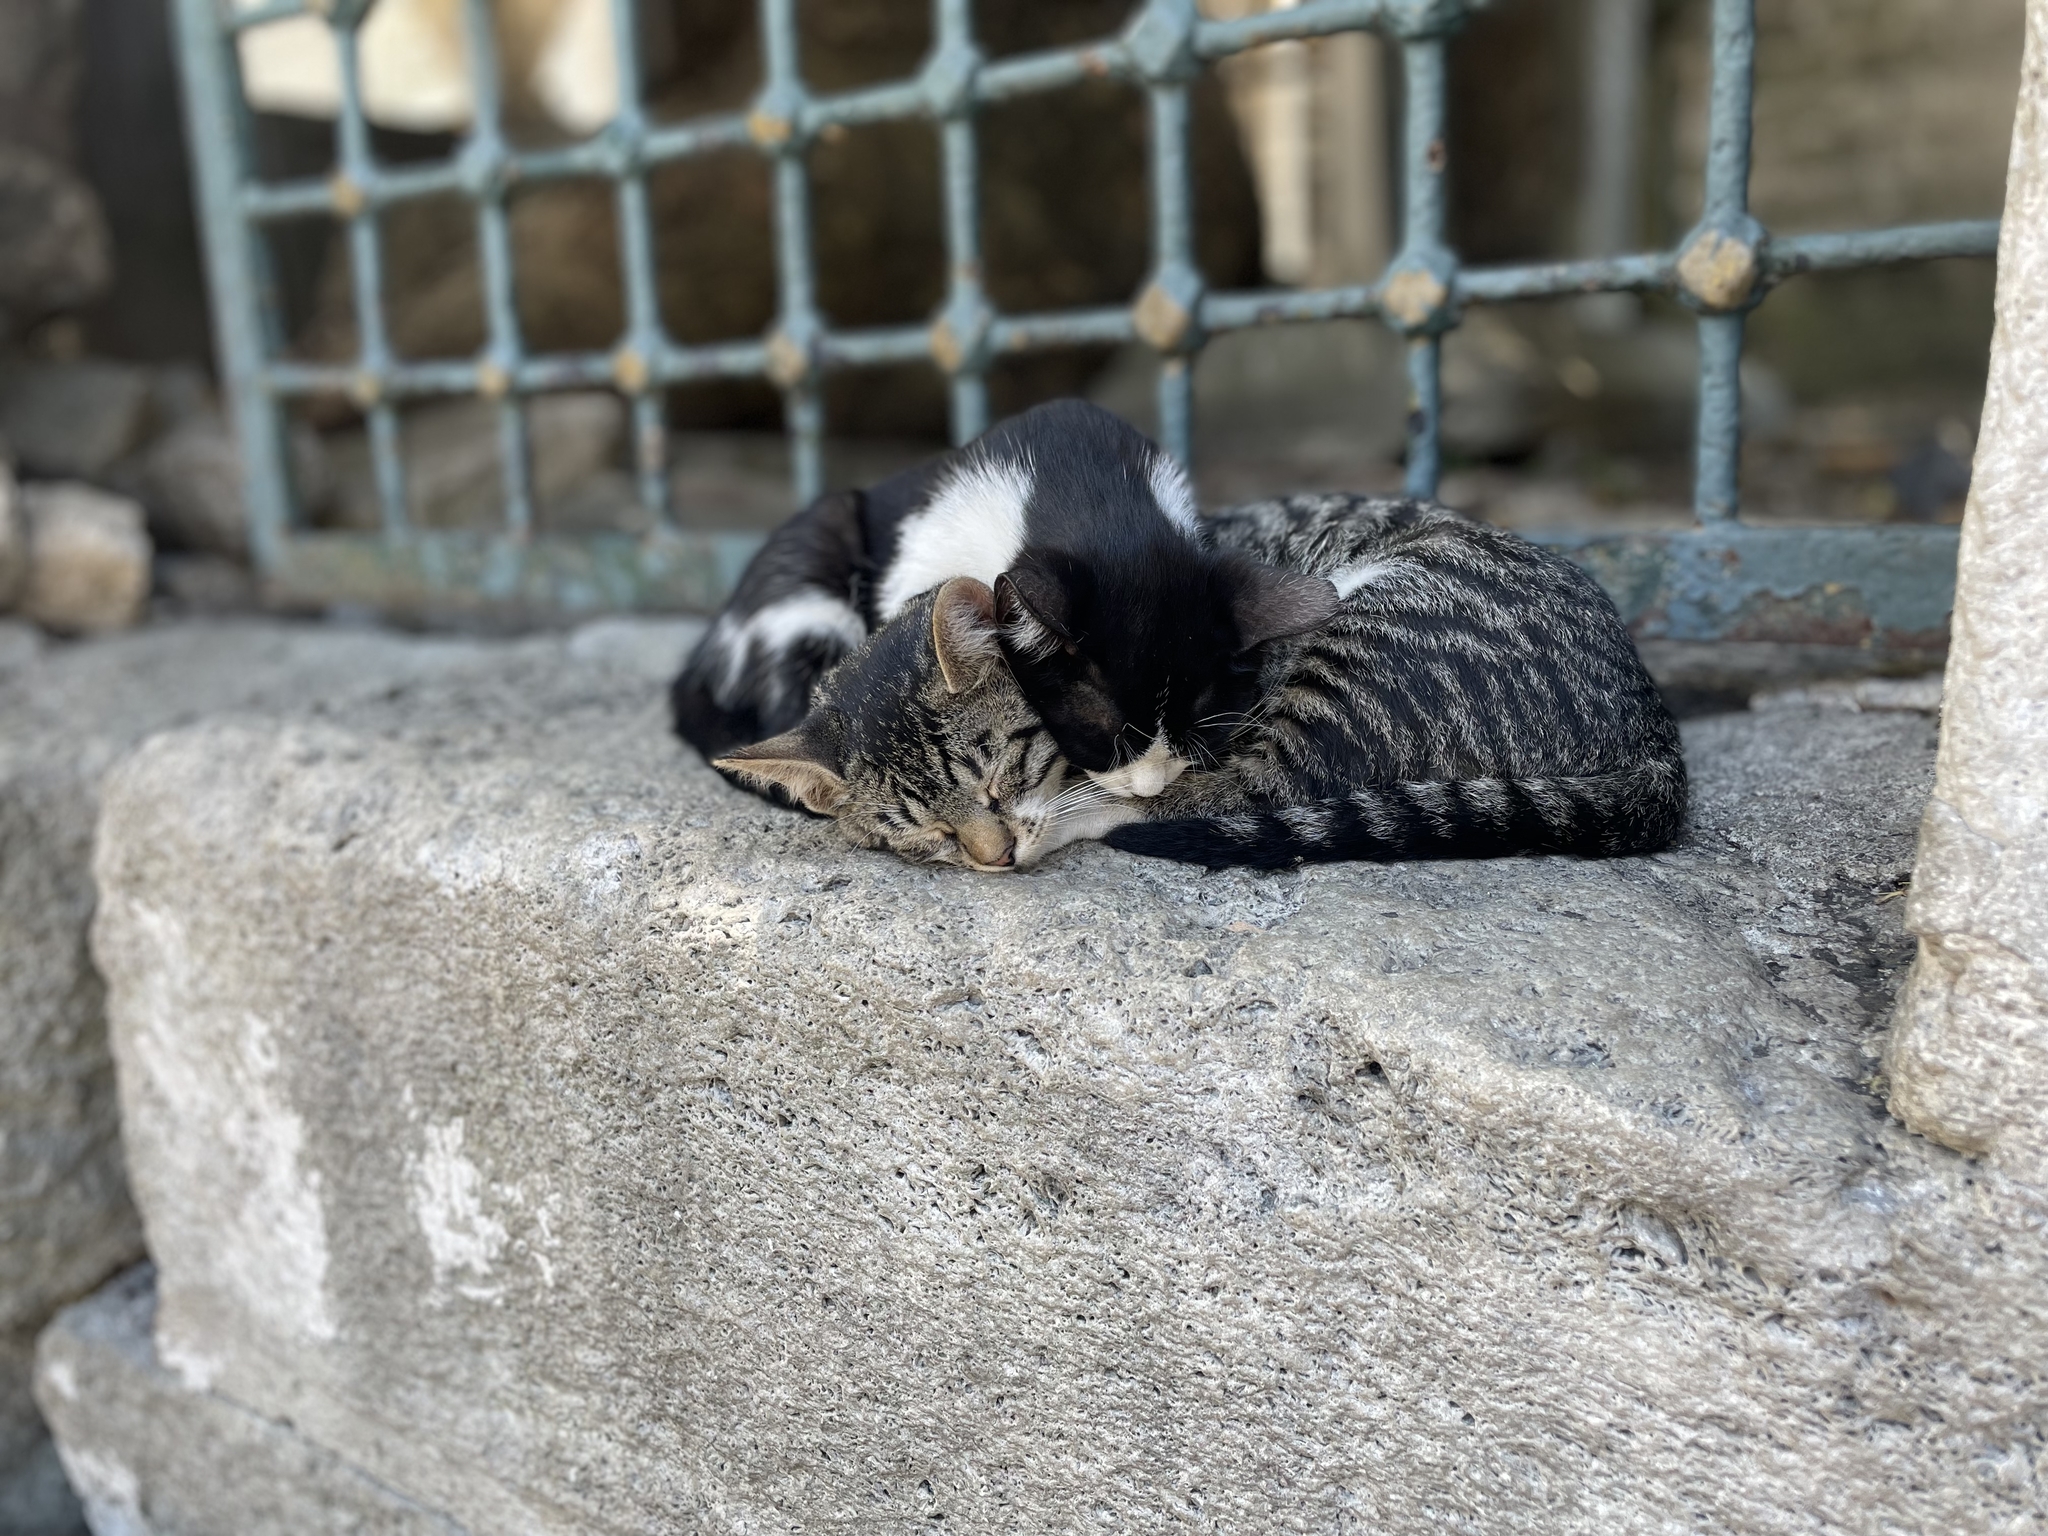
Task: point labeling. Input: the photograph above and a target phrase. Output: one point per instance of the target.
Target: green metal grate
(1883, 586)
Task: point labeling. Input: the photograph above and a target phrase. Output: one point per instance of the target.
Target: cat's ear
(964, 633)
(1033, 612)
(805, 763)
(1267, 603)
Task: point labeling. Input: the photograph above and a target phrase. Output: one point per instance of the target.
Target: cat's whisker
(1087, 792)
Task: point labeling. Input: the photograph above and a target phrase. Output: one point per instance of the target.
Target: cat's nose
(989, 844)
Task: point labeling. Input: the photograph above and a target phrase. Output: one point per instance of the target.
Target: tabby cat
(1130, 633)
(1473, 695)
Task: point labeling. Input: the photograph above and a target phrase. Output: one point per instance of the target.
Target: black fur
(721, 700)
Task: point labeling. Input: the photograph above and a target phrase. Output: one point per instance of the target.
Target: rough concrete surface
(1970, 1055)
(572, 1143)
(150, 1458)
(67, 713)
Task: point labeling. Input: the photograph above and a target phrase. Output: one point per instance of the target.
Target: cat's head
(1140, 683)
(922, 743)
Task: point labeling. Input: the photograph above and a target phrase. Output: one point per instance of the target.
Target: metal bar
(233, 270)
(872, 104)
(645, 338)
(535, 375)
(1239, 311)
(1173, 259)
(272, 201)
(1031, 74)
(1788, 255)
(1063, 328)
(1556, 279)
(1227, 311)
(366, 264)
(1728, 116)
(954, 61)
(1422, 244)
(1425, 412)
(1718, 446)
(793, 351)
(1886, 589)
(437, 574)
(1313, 18)
(504, 351)
(266, 12)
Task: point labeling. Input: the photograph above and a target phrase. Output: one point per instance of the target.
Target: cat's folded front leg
(1204, 792)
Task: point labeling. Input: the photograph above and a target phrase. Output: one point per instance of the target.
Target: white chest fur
(974, 527)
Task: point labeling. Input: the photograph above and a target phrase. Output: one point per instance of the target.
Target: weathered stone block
(35, 1498)
(74, 419)
(573, 1144)
(66, 715)
(150, 1457)
(54, 248)
(192, 478)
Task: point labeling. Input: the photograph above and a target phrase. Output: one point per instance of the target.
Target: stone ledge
(574, 1144)
(149, 1457)
(67, 713)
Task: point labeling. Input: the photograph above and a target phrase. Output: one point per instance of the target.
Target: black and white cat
(1133, 638)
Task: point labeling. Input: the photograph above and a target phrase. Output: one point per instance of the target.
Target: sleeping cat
(1473, 696)
(1126, 630)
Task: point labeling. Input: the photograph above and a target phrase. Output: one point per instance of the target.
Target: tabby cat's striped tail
(1631, 810)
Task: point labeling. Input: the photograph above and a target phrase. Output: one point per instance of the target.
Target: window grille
(1882, 585)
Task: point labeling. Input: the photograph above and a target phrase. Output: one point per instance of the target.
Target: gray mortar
(67, 713)
(574, 1144)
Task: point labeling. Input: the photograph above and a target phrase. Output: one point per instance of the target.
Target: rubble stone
(13, 538)
(74, 420)
(89, 554)
(54, 250)
(571, 1142)
(191, 481)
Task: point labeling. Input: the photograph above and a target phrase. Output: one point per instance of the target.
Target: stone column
(1969, 1053)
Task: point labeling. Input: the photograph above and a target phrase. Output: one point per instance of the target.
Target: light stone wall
(1969, 1059)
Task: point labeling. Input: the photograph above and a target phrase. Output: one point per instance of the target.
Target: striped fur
(942, 770)
(1475, 695)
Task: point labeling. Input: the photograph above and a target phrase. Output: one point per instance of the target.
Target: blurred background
(1577, 128)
